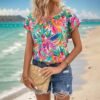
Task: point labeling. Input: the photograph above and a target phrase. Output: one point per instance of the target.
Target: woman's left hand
(48, 71)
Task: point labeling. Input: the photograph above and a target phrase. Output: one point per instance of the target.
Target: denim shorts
(61, 82)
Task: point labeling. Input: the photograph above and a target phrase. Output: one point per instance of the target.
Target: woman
(49, 27)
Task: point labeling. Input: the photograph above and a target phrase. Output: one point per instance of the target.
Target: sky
(83, 8)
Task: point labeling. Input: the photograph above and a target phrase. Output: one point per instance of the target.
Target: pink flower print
(40, 55)
(54, 58)
(47, 45)
(74, 21)
(32, 53)
(29, 26)
(61, 21)
(60, 57)
(47, 27)
(65, 44)
(54, 29)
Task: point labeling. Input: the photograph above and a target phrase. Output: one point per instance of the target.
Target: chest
(53, 30)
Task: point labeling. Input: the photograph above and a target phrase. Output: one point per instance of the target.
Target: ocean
(12, 45)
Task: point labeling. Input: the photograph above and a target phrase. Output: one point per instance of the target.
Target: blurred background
(13, 35)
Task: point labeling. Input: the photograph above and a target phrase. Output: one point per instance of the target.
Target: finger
(31, 81)
(47, 73)
(26, 83)
(43, 69)
(29, 85)
(32, 86)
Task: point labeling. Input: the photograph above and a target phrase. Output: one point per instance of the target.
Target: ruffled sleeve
(28, 24)
(72, 22)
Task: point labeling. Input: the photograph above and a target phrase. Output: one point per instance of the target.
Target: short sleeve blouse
(28, 23)
(50, 38)
(72, 21)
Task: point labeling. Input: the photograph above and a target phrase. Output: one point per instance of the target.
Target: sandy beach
(90, 89)
(91, 50)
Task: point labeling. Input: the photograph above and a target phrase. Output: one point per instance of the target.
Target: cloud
(88, 15)
(73, 9)
(85, 14)
(82, 14)
(17, 11)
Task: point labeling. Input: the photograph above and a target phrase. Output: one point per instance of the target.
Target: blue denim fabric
(61, 82)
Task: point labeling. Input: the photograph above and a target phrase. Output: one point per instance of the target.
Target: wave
(86, 27)
(12, 49)
(22, 34)
(12, 77)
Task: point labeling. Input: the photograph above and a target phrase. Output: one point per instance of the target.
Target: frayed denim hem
(41, 92)
(62, 92)
(61, 95)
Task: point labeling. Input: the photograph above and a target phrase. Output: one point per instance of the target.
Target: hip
(67, 71)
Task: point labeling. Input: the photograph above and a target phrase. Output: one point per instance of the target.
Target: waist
(42, 64)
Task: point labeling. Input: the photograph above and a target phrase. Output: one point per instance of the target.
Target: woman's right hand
(28, 81)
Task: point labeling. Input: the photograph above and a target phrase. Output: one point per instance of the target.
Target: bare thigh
(61, 96)
(43, 96)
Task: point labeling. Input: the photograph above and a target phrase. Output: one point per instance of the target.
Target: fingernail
(36, 87)
(39, 70)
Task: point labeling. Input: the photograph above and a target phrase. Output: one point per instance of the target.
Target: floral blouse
(51, 37)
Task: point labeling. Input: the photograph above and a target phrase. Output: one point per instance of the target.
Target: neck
(53, 7)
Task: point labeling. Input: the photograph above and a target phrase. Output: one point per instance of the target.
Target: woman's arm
(27, 59)
(77, 48)
(28, 54)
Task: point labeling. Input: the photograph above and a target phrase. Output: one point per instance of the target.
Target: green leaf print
(37, 38)
(43, 53)
(60, 36)
(43, 30)
(69, 28)
(49, 58)
(64, 31)
(65, 52)
(39, 41)
(57, 51)
(67, 14)
(36, 35)
(56, 17)
(48, 34)
(62, 49)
